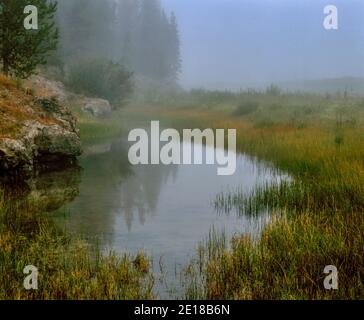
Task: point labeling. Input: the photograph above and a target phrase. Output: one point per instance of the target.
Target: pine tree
(125, 32)
(174, 53)
(21, 50)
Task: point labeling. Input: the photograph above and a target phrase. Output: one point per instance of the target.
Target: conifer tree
(22, 50)
(138, 34)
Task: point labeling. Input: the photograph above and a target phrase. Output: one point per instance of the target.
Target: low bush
(102, 79)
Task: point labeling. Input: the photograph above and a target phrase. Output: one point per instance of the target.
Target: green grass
(94, 130)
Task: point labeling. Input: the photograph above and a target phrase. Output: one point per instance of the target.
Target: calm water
(164, 210)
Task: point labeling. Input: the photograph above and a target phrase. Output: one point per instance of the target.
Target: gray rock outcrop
(50, 137)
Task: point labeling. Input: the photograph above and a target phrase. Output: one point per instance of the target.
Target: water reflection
(111, 188)
(165, 210)
(45, 191)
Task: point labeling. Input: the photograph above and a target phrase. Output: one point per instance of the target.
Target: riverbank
(34, 131)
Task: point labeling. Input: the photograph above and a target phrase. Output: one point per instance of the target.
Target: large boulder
(38, 144)
(34, 131)
(97, 107)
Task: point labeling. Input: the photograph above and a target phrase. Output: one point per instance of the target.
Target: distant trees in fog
(136, 33)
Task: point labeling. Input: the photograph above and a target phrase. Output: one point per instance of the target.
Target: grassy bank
(319, 142)
(286, 262)
(68, 268)
(94, 130)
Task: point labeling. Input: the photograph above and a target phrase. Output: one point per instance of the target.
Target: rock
(38, 144)
(97, 107)
(35, 131)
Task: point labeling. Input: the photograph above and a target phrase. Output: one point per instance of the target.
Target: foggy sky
(240, 43)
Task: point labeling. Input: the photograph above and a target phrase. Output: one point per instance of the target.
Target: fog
(219, 44)
(251, 43)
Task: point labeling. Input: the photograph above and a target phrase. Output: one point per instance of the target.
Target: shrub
(246, 108)
(102, 79)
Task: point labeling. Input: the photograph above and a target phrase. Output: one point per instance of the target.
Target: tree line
(139, 34)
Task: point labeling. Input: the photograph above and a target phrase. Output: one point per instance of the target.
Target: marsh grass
(68, 268)
(297, 196)
(286, 262)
